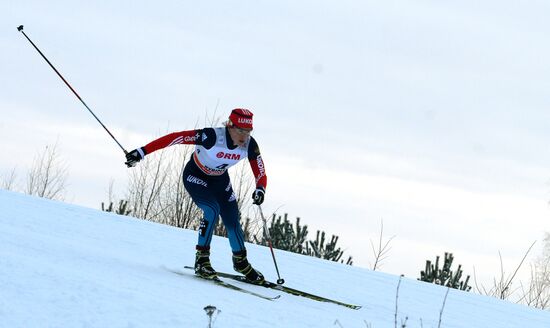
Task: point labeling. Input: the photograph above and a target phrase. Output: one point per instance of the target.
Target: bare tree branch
(48, 175)
(382, 249)
(503, 287)
(8, 181)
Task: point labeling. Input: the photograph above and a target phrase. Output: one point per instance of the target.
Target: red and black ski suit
(206, 179)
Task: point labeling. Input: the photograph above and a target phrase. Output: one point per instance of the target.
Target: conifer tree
(329, 251)
(121, 209)
(293, 238)
(285, 236)
(445, 276)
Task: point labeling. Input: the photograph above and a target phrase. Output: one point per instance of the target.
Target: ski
(225, 284)
(285, 289)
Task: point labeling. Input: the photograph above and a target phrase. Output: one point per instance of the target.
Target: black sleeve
(253, 149)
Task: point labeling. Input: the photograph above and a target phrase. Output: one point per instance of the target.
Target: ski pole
(20, 29)
(280, 281)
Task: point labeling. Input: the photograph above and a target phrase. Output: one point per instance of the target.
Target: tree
(381, 250)
(48, 175)
(537, 293)
(156, 192)
(293, 238)
(285, 236)
(146, 181)
(8, 181)
(175, 204)
(503, 286)
(329, 251)
(121, 209)
(444, 276)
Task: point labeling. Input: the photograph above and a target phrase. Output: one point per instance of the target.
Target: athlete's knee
(211, 212)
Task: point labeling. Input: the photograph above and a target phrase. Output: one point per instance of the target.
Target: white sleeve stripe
(178, 140)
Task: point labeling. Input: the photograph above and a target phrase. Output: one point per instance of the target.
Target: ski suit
(206, 179)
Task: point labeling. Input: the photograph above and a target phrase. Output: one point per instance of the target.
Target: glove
(258, 196)
(133, 157)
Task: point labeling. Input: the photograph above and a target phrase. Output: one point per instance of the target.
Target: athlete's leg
(231, 217)
(205, 199)
(229, 212)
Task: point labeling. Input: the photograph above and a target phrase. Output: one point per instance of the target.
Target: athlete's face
(239, 136)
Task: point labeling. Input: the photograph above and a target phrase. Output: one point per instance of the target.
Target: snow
(63, 265)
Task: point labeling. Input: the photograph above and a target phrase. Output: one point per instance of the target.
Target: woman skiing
(206, 179)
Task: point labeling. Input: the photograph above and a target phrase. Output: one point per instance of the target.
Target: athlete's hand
(133, 157)
(258, 196)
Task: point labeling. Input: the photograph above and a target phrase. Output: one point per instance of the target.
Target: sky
(427, 116)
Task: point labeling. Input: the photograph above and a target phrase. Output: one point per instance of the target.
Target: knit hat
(241, 118)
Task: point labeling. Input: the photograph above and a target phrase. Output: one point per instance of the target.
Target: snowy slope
(67, 266)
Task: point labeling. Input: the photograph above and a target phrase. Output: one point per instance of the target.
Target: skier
(206, 179)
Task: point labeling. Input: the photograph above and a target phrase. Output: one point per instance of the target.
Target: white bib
(216, 160)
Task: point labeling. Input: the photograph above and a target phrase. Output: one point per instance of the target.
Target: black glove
(258, 196)
(134, 157)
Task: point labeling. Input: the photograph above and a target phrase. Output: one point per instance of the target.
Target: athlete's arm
(205, 137)
(257, 164)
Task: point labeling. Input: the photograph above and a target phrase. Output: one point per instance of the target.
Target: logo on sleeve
(261, 167)
(191, 138)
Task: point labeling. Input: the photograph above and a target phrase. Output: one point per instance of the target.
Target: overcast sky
(431, 116)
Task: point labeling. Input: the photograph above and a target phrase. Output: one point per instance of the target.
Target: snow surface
(63, 265)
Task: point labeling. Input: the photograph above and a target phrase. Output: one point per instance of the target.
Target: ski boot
(203, 268)
(241, 265)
